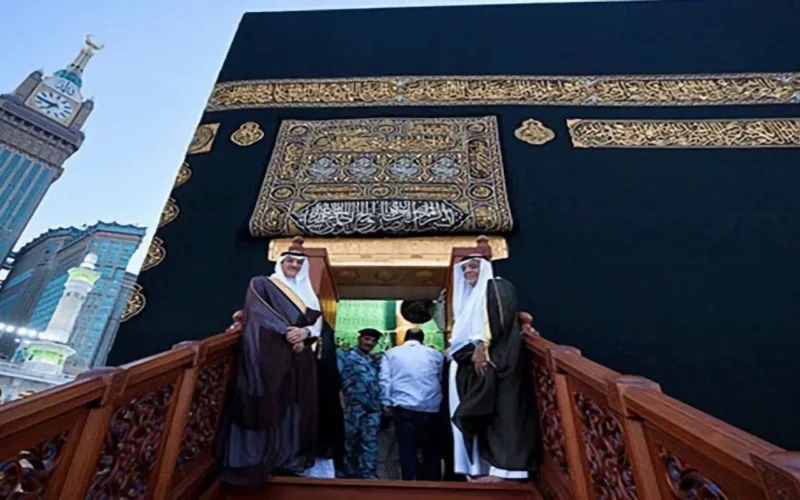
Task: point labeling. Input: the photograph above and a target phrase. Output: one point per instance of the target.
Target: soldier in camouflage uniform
(362, 400)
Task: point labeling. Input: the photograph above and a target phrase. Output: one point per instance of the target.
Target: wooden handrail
(121, 431)
(151, 425)
(20, 415)
(621, 430)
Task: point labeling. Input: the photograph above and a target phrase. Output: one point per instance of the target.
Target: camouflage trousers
(361, 441)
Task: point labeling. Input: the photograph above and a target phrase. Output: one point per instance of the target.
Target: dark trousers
(416, 435)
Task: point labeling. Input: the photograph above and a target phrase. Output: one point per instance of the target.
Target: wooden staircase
(351, 489)
(146, 431)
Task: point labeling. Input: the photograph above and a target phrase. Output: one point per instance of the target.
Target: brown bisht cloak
(500, 407)
(271, 423)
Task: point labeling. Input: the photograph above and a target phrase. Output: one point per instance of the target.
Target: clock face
(53, 104)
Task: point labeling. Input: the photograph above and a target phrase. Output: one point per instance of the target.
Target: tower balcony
(147, 430)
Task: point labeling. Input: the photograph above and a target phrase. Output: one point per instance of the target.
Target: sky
(150, 84)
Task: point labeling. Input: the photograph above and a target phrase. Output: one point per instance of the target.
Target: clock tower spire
(40, 127)
(74, 72)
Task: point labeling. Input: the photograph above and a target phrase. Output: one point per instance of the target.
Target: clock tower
(40, 127)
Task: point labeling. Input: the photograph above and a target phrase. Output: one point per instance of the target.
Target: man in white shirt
(411, 391)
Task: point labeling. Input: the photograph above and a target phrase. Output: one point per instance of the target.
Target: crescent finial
(92, 44)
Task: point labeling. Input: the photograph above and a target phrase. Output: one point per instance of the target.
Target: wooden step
(354, 489)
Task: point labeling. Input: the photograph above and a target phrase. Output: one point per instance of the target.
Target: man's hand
(479, 360)
(238, 321)
(296, 335)
(297, 348)
(387, 411)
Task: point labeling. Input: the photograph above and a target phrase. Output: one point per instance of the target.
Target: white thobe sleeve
(385, 378)
(315, 330)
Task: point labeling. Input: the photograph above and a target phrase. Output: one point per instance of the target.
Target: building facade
(17, 381)
(112, 323)
(35, 285)
(40, 127)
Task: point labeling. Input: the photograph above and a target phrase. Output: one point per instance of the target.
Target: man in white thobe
(488, 384)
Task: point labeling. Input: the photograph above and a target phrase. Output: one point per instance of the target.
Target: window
(5, 172)
(30, 197)
(4, 154)
(8, 303)
(44, 309)
(17, 279)
(22, 174)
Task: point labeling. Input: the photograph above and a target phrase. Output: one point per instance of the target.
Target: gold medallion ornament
(156, 253)
(726, 133)
(534, 132)
(135, 304)
(169, 214)
(605, 90)
(203, 138)
(397, 176)
(248, 134)
(184, 173)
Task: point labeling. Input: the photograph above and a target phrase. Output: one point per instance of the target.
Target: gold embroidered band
(607, 90)
(726, 133)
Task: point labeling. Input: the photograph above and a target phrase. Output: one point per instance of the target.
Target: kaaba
(634, 164)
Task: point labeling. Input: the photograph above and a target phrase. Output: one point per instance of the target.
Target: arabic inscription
(586, 90)
(384, 176)
(725, 133)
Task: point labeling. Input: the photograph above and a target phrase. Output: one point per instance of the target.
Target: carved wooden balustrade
(608, 435)
(147, 430)
(144, 430)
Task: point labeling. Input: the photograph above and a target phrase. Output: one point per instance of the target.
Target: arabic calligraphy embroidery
(582, 90)
(724, 133)
(384, 175)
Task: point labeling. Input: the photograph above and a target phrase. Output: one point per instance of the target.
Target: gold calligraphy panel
(156, 253)
(608, 90)
(384, 175)
(184, 173)
(169, 213)
(534, 132)
(727, 133)
(247, 135)
(203, 138)
(135, 304)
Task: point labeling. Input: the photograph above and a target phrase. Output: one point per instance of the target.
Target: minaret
(80, 282)
(49, 354)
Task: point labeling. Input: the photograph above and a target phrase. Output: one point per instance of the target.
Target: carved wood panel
(683, 471)
(205, 410)
(686, 481)
(550, 418)
(610, 468)
(26, 474)
(131, 446)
